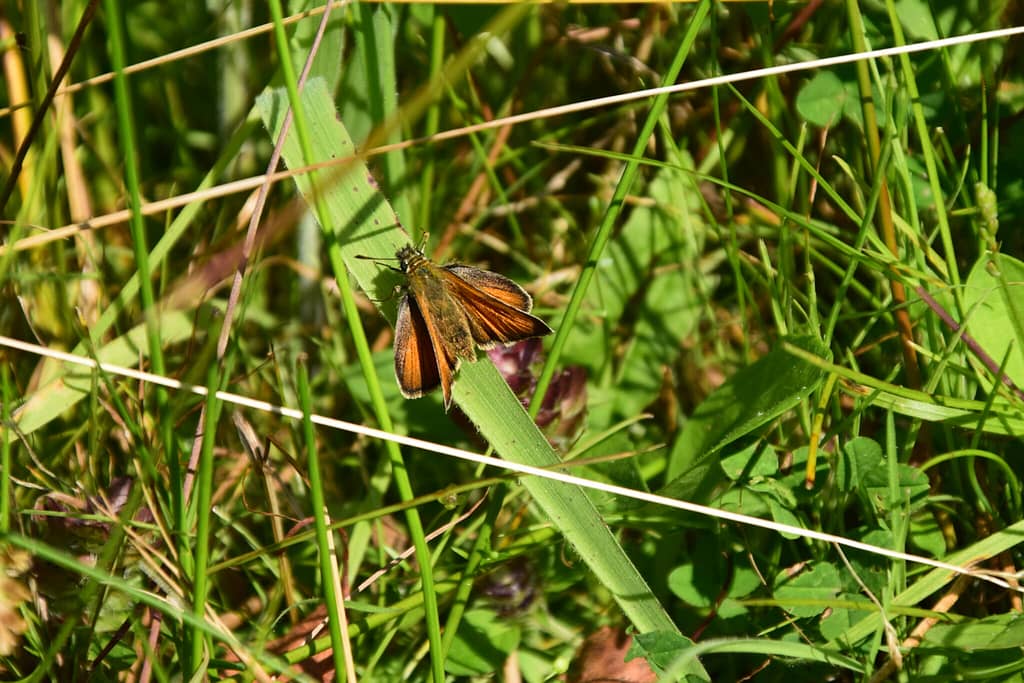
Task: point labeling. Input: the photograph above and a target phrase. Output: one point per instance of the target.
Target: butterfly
(446, 313)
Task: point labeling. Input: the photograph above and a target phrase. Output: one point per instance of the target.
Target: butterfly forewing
(492, 284)
(493, 321)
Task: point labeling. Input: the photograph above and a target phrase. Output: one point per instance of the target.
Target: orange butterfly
(449, 311)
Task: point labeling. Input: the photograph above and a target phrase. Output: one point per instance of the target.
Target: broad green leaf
(775, 490)
(668, 660)
(912, 488)
(926, 534)
(822, 99)
(871, 570)
(916, 19)
(482, 645)
(750, 399)
(856, 457)
(699, 581)
(731, 609)
(815, 588)
(745, 578)
(784, 515)
(997, 632)
(743, 501)
(660, 648)
(839, 618)
(756, 460)
(994, 296)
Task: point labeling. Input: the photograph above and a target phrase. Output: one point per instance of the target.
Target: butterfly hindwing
(415, 362)
(446, 329)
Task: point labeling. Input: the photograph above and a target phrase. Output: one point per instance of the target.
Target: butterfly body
(448, 312)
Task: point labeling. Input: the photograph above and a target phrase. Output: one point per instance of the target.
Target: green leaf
(916, 19)
(912, 488)
(838, 619)
(699, 581)
(776, 490)
(815, 588)
(994, 296)
(750, 399)
(926, 534)
(745, 580)
(872, 570)
(761, 498)
(744, 502)
(482, 644)
(784, 515)
(997, 632)
(755, 460)
(660, 648)
(823, 99)
(857, 456)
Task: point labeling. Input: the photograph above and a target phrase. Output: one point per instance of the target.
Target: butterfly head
(409, 257)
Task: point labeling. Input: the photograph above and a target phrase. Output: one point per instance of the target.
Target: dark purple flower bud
(514, 363)
(511, 588)
(564, 407)
(565, 404)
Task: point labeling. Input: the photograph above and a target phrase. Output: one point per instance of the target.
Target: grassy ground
(787, 313)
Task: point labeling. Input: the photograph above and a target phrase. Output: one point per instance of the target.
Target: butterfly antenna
(380, 261)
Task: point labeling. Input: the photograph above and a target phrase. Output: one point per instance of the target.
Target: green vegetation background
(797, 297)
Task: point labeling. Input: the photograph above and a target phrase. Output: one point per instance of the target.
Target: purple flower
(565, 403)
